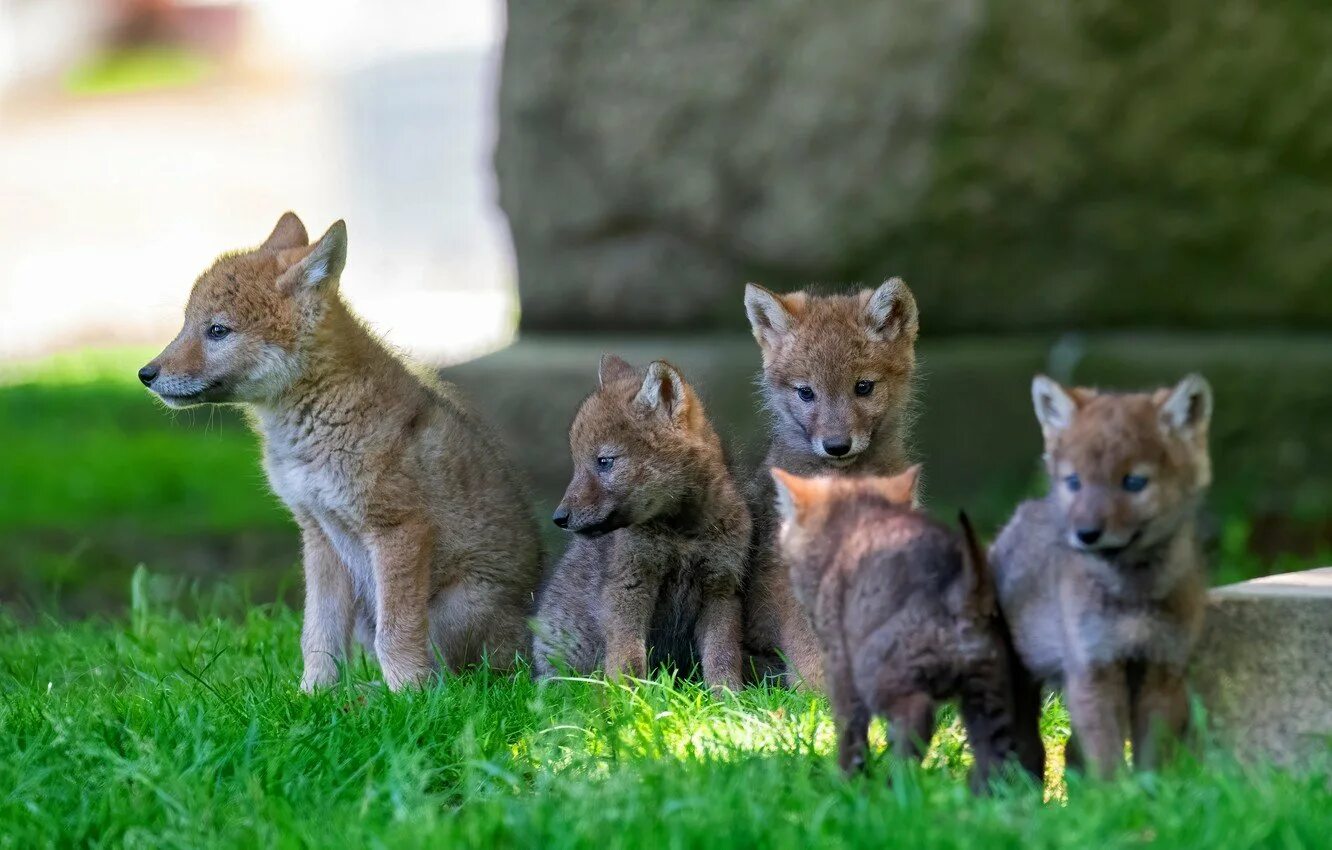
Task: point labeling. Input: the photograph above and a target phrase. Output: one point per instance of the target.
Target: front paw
(318, 675)
(401, 676)
(721, 682)
(627, 661)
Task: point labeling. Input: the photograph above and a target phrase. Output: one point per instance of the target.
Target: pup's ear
(287, 233)
(890, 312)
(899, 489)
(1188, 408)
(1054, 405)
(771, 316)
(612, 368)
(319, 265)
(664, 391)
(796, 495)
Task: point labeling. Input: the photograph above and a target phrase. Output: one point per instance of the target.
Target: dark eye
(805, 393)
(1073, 483)
(864, 387)
(1135, 483)
(605, 463)
(218, 331)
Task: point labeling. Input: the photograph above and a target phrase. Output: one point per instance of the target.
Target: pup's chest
(1109, 631)
(315, 481)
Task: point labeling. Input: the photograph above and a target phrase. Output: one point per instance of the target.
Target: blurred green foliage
(126, 70)
(97, 477)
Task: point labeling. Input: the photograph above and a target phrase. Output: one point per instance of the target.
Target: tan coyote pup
(416, 533)
(653, 571)
(1102, 581)
(837, 374)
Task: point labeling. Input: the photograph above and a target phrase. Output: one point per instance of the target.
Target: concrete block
(1264, 666)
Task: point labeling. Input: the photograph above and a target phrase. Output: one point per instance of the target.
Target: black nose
(561, 517)
(837, 448)
(149, 373)
(1088, 536)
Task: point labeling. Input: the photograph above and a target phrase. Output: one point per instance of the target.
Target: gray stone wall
(1030, 164)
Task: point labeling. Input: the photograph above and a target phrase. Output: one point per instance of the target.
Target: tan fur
(416, 533)
(904, 611)
(826, 344)
(1103, 587)
(653, 572)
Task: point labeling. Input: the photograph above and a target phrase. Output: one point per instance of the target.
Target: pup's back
(904, 611)
(916, 610)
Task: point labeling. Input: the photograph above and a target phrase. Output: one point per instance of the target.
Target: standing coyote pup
(1102, 580)
(837, 377)
(653, 573)
(904, 610)
(416, 533)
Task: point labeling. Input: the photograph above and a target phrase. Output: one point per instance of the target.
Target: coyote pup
(1102, 580)
(904, 610)
(653, 573)
(837, 375)
(416, 533)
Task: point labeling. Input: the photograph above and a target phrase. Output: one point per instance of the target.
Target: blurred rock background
(1111, 192)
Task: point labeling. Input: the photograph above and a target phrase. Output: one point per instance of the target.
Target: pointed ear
(318, 266)
(288, 233)
(1188, 408)
(796, 495)
(664, 391)
(612, 368)
(890, 312)
(769, 315)
(1054, 405)
(898, 489)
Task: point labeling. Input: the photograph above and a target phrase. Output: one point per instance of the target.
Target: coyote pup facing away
(416, 533)
(837, 374)
(1102, 580)
(653, 573)
(904, 610)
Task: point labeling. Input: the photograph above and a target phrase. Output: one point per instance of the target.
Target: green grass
(97, 476)
(166, 731)
(86, 445)
(179, 723)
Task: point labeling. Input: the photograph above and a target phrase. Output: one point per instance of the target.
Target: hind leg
(566, 639)
(1027, 719)
(911, 725)
(473, 621)
(989, 713)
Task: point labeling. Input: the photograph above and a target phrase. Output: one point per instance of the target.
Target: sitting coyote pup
(904, 610)
(837, 377)
(1102, 580)
(416, 533)
(653, 574)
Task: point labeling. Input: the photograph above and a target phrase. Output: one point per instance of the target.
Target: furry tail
(978, 567)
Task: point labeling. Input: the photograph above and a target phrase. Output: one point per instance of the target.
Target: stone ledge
(976, 432)
(1264, 666)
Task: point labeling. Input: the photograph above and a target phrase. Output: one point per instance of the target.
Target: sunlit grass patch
(168, 729)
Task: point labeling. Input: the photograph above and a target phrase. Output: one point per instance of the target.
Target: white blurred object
(38, 38)
(384, 116)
